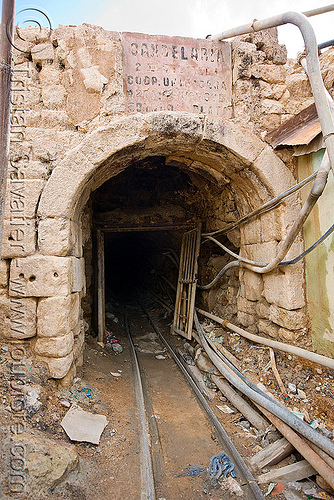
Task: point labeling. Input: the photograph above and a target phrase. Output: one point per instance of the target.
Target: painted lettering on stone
(176, 74)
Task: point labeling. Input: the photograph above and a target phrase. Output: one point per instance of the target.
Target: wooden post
(100, 285)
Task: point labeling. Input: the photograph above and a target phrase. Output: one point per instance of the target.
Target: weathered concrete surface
(320, 262)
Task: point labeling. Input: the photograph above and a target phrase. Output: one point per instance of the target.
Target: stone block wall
(71, 88)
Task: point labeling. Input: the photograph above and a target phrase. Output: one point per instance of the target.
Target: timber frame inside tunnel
(213, 153)
(100, 254)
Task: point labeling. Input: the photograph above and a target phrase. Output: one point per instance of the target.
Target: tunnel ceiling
(149, 191)
(142, 184)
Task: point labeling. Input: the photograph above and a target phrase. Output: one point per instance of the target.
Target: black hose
(221, 273)
(264, 208)
(309, 249)
(283, 263)
(275, 408)
(324, 45)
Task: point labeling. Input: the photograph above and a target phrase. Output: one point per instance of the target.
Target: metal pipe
(298, 351)
(222, 435)
(236, 263)
(316, 191)
(239, 402)
(319, 10)
(317, 462)
(148, 489)
(219, 276)
(6, 73)
(311, 50)
(306, 448)
(277, 409)
(271, 204)
(266, 207)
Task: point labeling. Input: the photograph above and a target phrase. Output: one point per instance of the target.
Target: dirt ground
(112, 468)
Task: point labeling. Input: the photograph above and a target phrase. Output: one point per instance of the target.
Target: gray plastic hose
(277, 409)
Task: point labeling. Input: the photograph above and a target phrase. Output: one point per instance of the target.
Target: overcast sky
(193, 18)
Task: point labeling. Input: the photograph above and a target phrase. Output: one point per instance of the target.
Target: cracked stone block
(58, 315)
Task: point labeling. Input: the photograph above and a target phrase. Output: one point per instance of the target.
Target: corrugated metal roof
(299, 130)
(316, 144)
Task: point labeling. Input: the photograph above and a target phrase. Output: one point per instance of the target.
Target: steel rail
(147, 490)
(222, 435)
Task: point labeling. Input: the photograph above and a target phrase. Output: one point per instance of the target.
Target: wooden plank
(100, 286)
(294, 472)
(272, 454)
(176, 322)
(187, 281)
(195, 255)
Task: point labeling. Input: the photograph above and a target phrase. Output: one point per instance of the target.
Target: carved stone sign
(176, 74)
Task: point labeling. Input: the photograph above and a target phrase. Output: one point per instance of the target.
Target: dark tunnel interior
(136, 261)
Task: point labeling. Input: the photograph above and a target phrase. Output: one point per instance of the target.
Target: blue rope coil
(219, 466)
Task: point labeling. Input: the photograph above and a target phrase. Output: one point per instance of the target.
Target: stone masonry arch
(225, 151)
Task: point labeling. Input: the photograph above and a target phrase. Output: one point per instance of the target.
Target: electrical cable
(242, 259)
(264, 208)
(324, 45)
(234, 263)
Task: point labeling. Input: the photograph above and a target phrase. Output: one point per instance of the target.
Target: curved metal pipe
(234, 263)
(275, 408)
(311, 50)
(316, 191)
(283, 263)
(273, 203)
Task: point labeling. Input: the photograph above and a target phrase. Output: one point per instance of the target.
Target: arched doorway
(233, 169)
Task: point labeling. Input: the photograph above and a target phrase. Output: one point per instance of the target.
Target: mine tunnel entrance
(136, 261)
(134, 227)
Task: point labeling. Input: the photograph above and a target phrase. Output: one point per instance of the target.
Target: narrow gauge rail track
(152, 459)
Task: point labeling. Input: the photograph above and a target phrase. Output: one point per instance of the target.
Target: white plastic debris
(225, 409)
(292, 388)
(81, 425)
(229, 483)
(301, 394)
